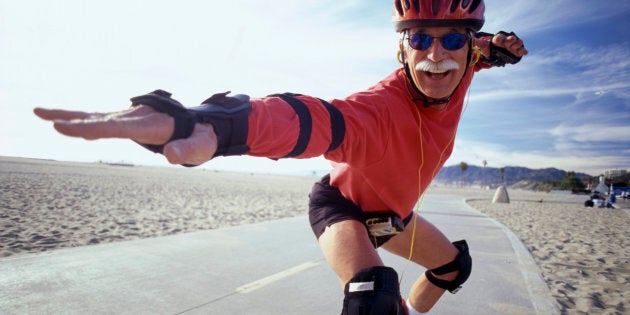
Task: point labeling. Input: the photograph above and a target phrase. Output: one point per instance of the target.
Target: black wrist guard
(227, 114)
(499, 56)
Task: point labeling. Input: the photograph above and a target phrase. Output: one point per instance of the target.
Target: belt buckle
(382, 226)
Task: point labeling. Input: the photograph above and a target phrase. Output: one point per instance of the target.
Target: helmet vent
(465, 3)
(406, 4)
(435, 7)
(454, 5)
(416, 5)
(399, 8)
(474, 6)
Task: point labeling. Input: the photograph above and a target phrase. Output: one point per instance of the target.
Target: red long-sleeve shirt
(391, 147)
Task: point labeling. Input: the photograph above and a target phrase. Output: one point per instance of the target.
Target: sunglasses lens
(420, 41)
(454, 41)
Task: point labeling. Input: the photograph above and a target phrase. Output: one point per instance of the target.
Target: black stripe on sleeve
(306, 123)
(337, 126)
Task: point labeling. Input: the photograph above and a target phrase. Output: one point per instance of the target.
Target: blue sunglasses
(452, 41)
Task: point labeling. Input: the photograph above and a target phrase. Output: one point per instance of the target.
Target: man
(386, 144)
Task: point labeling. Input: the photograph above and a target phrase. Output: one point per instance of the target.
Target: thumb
(194, 150)
(174, 152)
(185, 151)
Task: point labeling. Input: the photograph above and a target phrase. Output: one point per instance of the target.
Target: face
(436, 76)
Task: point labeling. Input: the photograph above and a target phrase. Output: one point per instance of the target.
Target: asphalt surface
(272, 267)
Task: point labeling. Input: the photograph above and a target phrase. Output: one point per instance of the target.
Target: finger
(61, 114)
(499, 40)
(58, 114)
(151, 128)
(516, 47)
(512, 43)
(140, 123)
(194, 150)
(90, 129)
(506, 42)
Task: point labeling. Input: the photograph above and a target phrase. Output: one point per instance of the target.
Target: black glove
(499, 56)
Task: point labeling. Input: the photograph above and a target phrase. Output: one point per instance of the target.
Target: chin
(436, 96)
(436, 90)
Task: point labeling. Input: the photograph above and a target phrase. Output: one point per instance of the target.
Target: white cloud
(95, 55)
(511, 94)
(474, 152)
(535, 16)
(593, 132)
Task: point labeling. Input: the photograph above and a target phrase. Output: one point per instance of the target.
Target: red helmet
(415, 13)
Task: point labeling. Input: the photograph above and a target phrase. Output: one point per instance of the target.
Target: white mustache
(437, 67)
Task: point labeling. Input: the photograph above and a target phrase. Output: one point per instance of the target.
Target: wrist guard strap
(227, 114)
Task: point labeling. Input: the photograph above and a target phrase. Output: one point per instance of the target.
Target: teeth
(436, 75)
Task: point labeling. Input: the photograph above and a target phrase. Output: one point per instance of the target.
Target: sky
(565, 105)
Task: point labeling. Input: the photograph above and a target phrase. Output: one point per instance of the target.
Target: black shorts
(328, 206)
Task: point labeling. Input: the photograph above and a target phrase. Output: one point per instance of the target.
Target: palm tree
(462, 167)
(483, 182)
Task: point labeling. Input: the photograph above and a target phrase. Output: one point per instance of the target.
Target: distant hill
(490, 176)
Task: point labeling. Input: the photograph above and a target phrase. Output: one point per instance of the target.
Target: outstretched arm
(141, 124)
(279, 126)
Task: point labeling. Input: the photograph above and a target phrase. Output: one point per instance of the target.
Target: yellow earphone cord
(477, 54)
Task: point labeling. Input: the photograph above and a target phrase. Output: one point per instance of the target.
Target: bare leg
(431, 249)
(348, 249)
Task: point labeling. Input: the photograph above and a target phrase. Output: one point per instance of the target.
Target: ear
(401, 52)
(476, 55)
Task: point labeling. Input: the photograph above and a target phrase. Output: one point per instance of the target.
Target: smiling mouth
(436, 75)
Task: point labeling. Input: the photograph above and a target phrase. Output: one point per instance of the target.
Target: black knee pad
(373, 291)
(462, 263)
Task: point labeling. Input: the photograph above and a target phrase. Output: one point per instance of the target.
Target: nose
(436, 52)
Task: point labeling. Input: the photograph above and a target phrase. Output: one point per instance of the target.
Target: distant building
(601, 187)
(615, 173)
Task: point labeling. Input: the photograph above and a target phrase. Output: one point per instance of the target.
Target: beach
(46, 205)
(583, 253)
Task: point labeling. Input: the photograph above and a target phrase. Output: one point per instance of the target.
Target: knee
(373, 291)
(462, 264)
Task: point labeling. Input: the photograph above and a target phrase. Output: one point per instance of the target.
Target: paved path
(273, 267)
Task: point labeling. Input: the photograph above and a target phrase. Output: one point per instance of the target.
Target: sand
(583, 253)
(46, 205)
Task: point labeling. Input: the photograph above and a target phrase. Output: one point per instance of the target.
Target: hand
(510, 42)
(140, 123)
